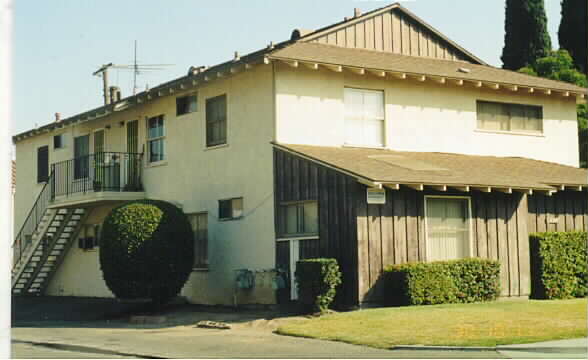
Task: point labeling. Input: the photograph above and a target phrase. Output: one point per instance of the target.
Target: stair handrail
(33, 219)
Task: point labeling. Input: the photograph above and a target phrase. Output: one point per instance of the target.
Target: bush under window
(442, 282)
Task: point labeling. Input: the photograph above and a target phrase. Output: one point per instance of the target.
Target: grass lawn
(480, 324)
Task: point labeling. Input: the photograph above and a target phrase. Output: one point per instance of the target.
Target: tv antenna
(135, 67)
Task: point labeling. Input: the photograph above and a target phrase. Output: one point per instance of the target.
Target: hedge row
(317, 281)
(441, 282)
(559, 265)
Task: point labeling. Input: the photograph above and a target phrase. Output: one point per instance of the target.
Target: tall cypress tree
(526, 38)
(573, 31)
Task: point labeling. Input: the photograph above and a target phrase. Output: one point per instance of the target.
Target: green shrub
(442, 282)
(317, 281)
(146, 250)
(476, 279)
(558, 265)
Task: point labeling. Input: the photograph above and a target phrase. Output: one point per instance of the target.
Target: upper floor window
(216, 120)
(230, 209)
(364, 117)
(297, 219)
(156, 138)
(42, 164)
(58, 141)
(186, 104)
(509, 117)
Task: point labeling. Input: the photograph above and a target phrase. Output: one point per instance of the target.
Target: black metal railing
(24, 238)
(103, 171)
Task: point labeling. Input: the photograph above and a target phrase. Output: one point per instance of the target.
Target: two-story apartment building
(375, 140)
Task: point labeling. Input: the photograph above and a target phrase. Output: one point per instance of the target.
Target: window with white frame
(156, 139)
(230, 209)
(448, 228)
(497, 116)
(199, 223)
(364, 117)
(299, 219)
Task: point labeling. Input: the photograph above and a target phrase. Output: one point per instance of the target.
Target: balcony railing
(99, 172)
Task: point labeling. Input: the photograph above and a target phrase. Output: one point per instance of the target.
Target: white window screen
(509, 117)
(448, 234)
(364, 117)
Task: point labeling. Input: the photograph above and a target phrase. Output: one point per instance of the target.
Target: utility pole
(135, 71)
(103, 71)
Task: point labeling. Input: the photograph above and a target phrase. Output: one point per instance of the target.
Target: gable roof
(428, 168)
(397, 19)
(375, 60)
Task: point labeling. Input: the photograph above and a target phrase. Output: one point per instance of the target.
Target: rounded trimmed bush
(146, 250)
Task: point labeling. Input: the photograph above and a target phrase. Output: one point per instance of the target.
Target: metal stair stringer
(36, 239)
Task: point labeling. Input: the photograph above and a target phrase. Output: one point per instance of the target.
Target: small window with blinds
(516, 118)
(448, 228)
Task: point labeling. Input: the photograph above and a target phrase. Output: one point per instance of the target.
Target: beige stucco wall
(192, 177)
(420, 116)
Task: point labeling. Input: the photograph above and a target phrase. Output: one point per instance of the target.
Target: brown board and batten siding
(391, 31)
(394, 233)
(365, 238)
(562, 211)
(298, 179)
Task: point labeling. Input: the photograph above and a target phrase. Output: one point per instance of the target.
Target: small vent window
(58, 141)
(186, 104)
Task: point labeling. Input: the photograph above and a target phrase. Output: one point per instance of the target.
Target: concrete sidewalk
(569, 349)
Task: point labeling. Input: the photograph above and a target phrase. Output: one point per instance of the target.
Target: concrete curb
(85, 349)
(444, 348)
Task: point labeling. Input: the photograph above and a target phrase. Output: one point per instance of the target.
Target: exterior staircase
(42, 242)
(46, 249)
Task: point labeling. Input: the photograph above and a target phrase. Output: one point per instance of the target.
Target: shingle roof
(402, 167)
(377, 60)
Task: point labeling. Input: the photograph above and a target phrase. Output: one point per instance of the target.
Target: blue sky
(58, 44)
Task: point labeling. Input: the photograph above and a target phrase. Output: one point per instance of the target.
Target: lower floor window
(199, 224)
(299, 219)
(448, 228)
